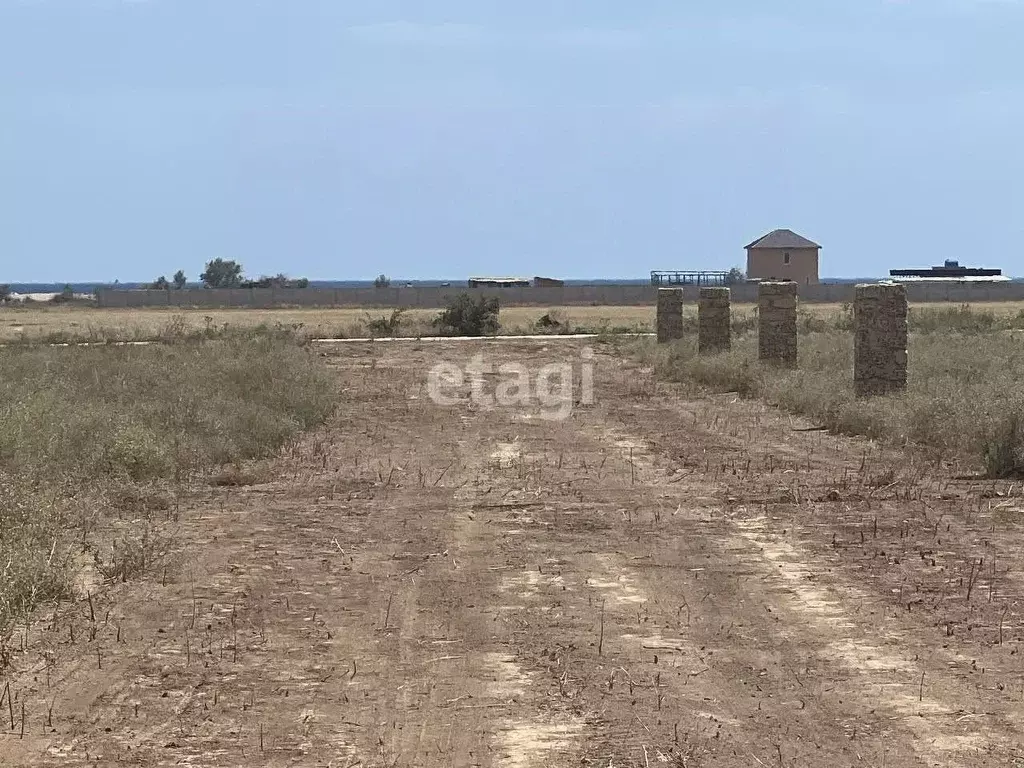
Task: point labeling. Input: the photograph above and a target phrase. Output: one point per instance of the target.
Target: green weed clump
(466, 316)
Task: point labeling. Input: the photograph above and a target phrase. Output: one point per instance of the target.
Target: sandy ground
(652, 581)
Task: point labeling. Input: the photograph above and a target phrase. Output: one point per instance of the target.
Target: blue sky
(441, 138)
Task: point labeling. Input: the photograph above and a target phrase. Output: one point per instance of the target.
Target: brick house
(783, 255)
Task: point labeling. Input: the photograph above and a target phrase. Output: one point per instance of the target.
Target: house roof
(783, 238)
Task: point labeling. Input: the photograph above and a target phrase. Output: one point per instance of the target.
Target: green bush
(466, 316)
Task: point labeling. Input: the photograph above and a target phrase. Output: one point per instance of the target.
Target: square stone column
(670, 314)
(880, 339)
(713, 321)
(776, 323)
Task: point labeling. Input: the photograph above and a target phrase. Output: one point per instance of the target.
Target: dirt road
(652, 581)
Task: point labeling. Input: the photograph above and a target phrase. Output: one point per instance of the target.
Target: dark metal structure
(949, 269)
(689, 278)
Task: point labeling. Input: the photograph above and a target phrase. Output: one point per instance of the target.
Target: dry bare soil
(653, 581)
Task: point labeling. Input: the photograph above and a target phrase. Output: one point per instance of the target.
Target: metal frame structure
(702, 277)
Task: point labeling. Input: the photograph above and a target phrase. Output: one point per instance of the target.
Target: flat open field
(64, 323)
(659, 579)
(147, 323)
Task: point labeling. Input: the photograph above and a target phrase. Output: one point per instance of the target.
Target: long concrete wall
(549, 296)
(426, 297)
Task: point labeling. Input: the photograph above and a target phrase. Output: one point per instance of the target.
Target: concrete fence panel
(546, 296)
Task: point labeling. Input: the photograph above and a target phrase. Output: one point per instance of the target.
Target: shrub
(386, 325)
(33, 569)
(1004, 451)
(735, 276)
(466, 316)
(553, 321)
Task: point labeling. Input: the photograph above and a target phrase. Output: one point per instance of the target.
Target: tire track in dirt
(533, 733)
(579, 555)
(931, 719)
(609, 575)
(942, 728)
(655, 653)
(284, 644)
(575, 558)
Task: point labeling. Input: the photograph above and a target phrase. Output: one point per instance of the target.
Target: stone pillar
(776, 323)
(670, 314)
(880, 339)
(713, 321)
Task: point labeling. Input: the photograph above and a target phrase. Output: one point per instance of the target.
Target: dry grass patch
(964, 400)
(71, 324)
(97, 442)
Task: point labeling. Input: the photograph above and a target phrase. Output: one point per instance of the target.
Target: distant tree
(260, 282)
(160, 284)
(279, 280)
(5, 294)
(222, 274)
(382, 281)
(736, 275)
(180, 281)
